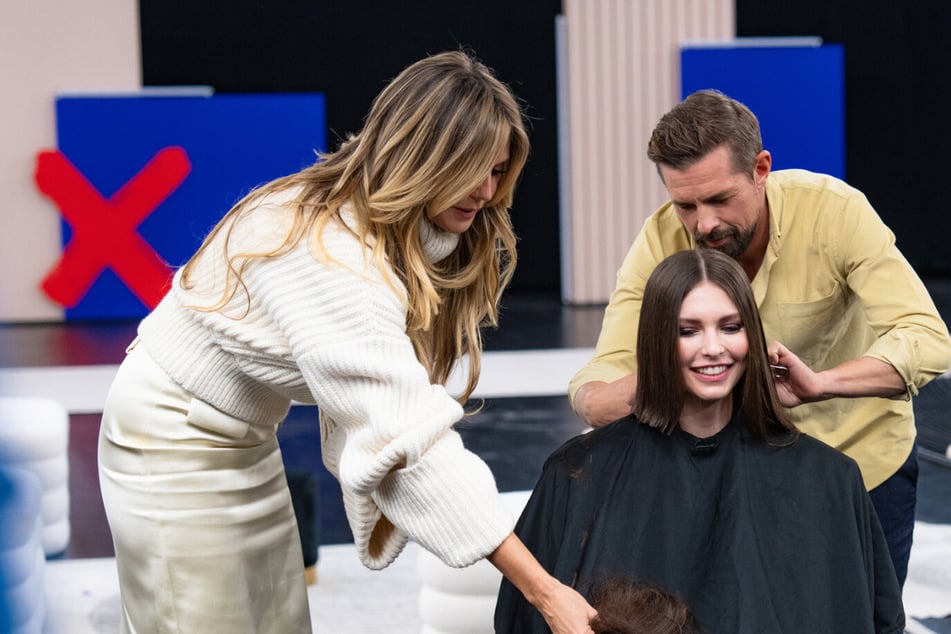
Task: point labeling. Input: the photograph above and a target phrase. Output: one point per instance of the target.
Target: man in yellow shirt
(841, 307)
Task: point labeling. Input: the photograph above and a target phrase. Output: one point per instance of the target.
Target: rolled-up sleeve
(911, 335)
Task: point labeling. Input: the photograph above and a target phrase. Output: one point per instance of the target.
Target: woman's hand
(564, 609)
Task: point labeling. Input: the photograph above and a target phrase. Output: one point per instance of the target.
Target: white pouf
(461, 600)
(22, 560)
(34, 436)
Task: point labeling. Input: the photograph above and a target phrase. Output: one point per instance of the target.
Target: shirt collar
(775, 211)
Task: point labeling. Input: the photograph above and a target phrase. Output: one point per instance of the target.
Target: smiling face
(459, 217)
(713, 350)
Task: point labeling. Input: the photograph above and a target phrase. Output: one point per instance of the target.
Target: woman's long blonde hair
(431, 136)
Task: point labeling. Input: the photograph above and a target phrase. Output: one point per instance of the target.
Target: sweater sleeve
(386, 431)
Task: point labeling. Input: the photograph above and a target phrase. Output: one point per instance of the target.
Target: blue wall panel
(797, 93)
(233, 142)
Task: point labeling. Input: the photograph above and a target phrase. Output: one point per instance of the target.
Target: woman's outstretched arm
(564, 609)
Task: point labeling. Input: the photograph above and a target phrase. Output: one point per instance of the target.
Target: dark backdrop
(898, 85)
(349, 50)
(897, 95)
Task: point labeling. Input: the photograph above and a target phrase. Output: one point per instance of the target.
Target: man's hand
(800, 383)
(599, 403)
(865, 376)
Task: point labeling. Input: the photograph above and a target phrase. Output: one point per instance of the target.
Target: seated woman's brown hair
(639, 608)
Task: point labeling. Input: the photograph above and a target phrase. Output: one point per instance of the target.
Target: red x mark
(104, 231)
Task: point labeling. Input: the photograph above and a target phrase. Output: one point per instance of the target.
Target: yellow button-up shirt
(832, 287)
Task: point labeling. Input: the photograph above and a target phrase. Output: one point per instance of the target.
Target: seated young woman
(707, 491)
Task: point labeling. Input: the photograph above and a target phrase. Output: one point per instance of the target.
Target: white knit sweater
(336, 335)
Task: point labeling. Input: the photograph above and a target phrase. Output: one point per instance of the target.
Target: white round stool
(34, 435)
(461, 600)
(22, 591)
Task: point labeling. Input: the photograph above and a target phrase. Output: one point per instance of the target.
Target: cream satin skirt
(205, 535)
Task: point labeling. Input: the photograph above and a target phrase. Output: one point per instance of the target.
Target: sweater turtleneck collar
(437, 244)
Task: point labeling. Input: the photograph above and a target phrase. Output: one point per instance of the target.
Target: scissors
(779, 371)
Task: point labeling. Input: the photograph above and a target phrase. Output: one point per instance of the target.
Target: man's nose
(707, 220)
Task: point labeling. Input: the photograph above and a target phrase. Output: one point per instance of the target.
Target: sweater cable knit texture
(334, 334)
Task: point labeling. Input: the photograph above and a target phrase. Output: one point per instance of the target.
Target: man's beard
(737, 244)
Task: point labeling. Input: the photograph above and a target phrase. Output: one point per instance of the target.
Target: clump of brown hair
(626, 607)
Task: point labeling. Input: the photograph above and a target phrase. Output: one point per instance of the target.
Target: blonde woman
(355, 284)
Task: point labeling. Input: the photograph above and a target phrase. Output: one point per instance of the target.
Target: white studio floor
(82, 595)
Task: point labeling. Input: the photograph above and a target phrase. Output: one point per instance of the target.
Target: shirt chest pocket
(810, 329)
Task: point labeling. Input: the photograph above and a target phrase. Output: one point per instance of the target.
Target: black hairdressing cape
(755, 538)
